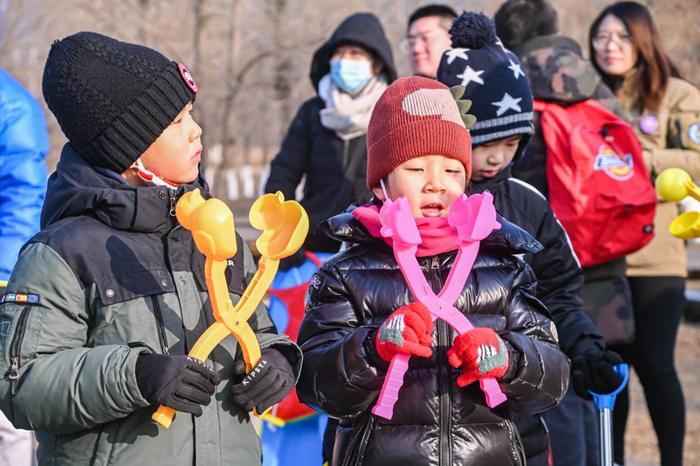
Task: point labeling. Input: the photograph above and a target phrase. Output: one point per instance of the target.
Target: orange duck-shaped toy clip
(284, 225)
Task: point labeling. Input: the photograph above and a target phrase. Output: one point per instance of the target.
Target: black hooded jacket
(559, 275)
(435, 422)
(335, 169)
(559, 280)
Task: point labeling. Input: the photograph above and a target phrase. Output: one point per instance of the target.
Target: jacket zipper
(515, 435)
(16, 347)
(173, 201)
(345, 155)
(364, 441)
(161, 326)
(351, 450)
(444, 386)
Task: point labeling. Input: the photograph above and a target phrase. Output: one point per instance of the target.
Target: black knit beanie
(493, 78)
(113, 99)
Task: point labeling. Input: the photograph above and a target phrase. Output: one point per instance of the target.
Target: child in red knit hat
(361, 313)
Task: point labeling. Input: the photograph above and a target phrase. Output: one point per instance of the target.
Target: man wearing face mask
(326, 140)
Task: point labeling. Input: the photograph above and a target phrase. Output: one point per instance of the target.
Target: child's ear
(130, 170)
(378, 193)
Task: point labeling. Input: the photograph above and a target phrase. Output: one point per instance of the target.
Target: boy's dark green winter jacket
(112, 274)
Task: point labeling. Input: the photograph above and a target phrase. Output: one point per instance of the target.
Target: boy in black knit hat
(106, 301)
(503, 105)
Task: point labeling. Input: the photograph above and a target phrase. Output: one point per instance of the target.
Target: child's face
(175, 155)
(490, 158)
(431, 183)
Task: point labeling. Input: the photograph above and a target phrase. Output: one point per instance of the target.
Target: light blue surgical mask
(351, 75)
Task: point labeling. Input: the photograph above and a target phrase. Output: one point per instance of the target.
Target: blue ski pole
(605, 403)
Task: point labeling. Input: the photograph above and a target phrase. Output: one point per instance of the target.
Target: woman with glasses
(665, 111)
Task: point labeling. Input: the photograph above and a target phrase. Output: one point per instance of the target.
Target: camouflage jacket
(557, 73)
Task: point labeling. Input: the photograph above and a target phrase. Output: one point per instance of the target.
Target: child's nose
(195, 131)
(495, 158)
(435, 181)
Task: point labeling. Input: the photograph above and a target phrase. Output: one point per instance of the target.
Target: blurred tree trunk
(283, 62)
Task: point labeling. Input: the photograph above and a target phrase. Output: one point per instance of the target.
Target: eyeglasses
(602, 39)
(410, 42)
(427, 38)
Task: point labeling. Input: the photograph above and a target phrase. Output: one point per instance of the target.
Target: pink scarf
(437, 235)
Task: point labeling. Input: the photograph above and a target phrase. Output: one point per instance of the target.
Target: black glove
(271, 379)
(594, 371)
(180, 382)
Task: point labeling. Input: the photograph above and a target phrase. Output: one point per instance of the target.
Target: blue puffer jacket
(24, 142)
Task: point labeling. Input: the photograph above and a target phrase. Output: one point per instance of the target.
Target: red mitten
(407, 330)
(481, 353)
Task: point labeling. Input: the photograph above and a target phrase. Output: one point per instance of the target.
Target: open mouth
(432, 209)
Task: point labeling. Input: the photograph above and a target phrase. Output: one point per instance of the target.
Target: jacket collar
(77, 189)
(492, 184)
(509, 239)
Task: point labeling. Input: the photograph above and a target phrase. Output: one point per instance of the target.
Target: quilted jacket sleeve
(539, 374)
(341, 374)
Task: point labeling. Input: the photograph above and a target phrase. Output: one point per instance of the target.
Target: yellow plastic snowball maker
(673, 184)
(284, 225)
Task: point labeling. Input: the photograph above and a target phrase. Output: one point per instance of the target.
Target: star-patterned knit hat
(414, 117)
(493, 79)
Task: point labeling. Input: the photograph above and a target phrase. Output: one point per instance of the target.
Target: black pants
(658, 309)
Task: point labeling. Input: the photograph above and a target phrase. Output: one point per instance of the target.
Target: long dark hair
(654, 67)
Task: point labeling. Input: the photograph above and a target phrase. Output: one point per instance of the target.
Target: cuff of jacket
(289, 350)
(513, 363)
(373, 357)
(586, 344)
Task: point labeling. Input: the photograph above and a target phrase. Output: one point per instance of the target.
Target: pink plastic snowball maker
(474, 217)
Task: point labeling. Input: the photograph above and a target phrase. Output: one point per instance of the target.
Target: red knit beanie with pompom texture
(415, 117)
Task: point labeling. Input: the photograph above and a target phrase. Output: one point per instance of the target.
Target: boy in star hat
(360, 312)
(503, 105)
(113, 292)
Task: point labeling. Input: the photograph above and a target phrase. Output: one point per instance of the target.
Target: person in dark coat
(360, 312)
(502, 104)
(326, 140)
(107, 300)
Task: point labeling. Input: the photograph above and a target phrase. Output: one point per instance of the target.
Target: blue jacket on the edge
(24, 142)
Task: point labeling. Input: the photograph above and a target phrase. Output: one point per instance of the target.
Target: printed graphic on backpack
(599, 187)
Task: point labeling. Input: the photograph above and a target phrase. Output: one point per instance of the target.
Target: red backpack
(599, 187)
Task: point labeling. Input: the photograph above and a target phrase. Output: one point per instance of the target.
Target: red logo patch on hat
(187, 76)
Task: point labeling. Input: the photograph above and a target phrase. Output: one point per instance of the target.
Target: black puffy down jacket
(435, 422)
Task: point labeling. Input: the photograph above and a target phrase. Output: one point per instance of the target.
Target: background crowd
(322, 156)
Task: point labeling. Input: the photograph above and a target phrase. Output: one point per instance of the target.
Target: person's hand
(266, 384)
(180, 382)
(407, 330)
(481, 353)
(594, 371)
